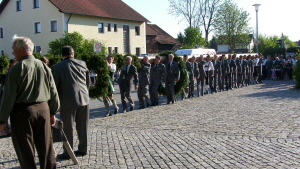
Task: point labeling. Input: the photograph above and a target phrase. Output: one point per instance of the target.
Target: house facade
(121, 31)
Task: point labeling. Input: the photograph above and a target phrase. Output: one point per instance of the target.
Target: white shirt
(209, 66)
(256, 61)
(265, 62)
(113, 67)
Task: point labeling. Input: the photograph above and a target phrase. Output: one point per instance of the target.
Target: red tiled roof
(116, 9)
(163, 37)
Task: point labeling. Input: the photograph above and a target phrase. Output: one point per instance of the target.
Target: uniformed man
(225, 70)
(217, 73)
(244, 72)
(234, 71)
(173, 75)
(144, 81)
(189, 69)
(157, 76)
(195, 71)
(202, 75)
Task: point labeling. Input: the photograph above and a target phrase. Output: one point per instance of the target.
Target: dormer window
(36, 3)
(19, 5)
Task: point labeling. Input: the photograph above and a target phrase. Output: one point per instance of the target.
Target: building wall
(88, 27)
(151, 43)
(22, 24)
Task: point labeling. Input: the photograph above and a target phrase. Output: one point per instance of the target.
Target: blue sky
(274, 16)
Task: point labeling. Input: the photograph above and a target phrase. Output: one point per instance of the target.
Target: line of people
(209, 75)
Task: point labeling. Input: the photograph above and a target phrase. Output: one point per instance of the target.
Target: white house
(122, 29)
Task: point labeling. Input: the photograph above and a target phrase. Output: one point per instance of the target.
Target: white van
(196, 52)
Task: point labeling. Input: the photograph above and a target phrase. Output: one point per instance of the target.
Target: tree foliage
(4, 63)
(186, 9)
(190, 38)
(231, 25)
(208, 9)
(296, 72)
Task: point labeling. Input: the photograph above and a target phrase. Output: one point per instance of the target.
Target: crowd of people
(33, 93)
(208, 74)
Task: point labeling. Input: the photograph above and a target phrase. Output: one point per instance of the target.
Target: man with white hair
(144, 81)
(173, 74)
(128, 73)
(30, 99)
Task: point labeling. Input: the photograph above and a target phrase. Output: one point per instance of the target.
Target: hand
(3, 129)
(136, 87)
(52, 119)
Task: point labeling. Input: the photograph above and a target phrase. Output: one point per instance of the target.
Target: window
(1, 32)
(36, 3)
(100, 27)
(137, 51)
(19, 5)
(37, 49)
(108, 27)
(137, 30)
(116, 50)
(115, 28)
(53, 26)
(109, 50)
(37, 27)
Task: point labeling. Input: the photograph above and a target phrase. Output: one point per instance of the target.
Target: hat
(66, 50)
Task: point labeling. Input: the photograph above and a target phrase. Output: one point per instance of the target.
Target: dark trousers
(142, 93)
(79, 114)
(153, 91)
(30, 127)
(200, 85)
(125, 92)
(170, 91)
(191, 88)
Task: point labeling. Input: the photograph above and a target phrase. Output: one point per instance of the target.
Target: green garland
(296, 72)
(4, 63)
(98, 64)
(184, 79)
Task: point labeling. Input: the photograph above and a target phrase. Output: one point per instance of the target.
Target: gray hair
(171, 55)
(129, 57)
(146, 57)
(24, 42)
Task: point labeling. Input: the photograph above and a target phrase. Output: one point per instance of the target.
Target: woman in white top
(209, 69)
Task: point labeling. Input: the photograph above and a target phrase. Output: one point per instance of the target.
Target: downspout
(68, 22)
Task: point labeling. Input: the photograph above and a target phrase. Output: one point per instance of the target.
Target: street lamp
(256, 9)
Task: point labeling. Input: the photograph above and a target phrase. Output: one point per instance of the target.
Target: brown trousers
(30, 128)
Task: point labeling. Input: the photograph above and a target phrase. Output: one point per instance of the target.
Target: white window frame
(107, 26)
(34, 28)
(114, 51)
(34, 2)
(34, 49)
(1, 33)
(111, 50)
(139, 50)
(115, 30)
(18, 9)
(103, 27)
(139, 33)
(51, 25)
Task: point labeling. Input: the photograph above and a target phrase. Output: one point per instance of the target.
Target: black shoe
(116, 110)
(108, 114)
(78, 153)
(141, 107)
(131, 108)
(147, 104)
(63, 156)
(153, 104)
(168, 102)
(156, 104)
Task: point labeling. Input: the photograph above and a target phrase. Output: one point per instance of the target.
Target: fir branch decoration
(98, 64)
(4, 63)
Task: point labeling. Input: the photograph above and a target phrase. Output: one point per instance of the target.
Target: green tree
(76, 40)
(296, 73)
(190, 38)
(213, 43)
(231, 25)
(4, 63)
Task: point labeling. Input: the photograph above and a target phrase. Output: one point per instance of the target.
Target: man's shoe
(131, 108)
(173, 101)
(168, 102)
(141, 107)
(116, 110)
(147, 104)
(108, 114)
(63, 156)
(78, 153)
(153, 104)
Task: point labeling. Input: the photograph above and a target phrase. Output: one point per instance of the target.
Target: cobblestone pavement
(252, 127)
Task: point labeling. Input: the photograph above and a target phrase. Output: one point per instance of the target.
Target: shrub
(296, 73)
